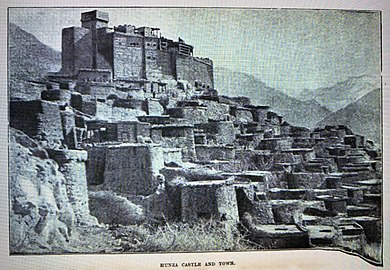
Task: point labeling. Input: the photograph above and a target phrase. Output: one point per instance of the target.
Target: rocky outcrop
(44, 208)
(72, 166)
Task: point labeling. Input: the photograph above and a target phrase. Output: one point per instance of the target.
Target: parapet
(204, 60)
(94, 15)
(126, 28)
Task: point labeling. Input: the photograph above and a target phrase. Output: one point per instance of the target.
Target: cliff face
(47, 200)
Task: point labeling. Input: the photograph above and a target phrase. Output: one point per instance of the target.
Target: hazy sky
(286, 49)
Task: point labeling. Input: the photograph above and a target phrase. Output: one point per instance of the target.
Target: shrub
(202, 236)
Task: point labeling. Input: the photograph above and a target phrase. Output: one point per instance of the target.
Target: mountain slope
(362, 116)
(341, 94)
(29, 59)
(294, 111)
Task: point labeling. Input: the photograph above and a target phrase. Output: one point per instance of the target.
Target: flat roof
(209, 182)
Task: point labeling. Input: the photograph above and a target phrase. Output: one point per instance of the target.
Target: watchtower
(94, 19)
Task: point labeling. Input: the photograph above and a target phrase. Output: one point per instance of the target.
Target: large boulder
(110, 208)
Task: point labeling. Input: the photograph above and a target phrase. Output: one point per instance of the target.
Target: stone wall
(94, 75)
(152, 106)
(176, 137)
(105, 111)
(76, 50)
(260, 114)
(38, 119)
(216, 111)
(226, 133)
(214, 152)
(132, 131)
(104, 55)
(304, 180)
(84, 103)
(260, 211)
(96, 164)
(221, 132)
(209, 199)
(55, 95)
(152, 68)
(128, 62)
(286, 211)
(165, 64)
(101, 131)
(68, 126)
(172, 155)
(191, 69)
(194, 114)
(72, 165)
(126, 168)
(243, 115)
(275, 144)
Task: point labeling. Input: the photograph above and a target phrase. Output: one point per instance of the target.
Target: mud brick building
(97, 52)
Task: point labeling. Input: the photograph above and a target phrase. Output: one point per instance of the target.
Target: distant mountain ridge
(28, 57)
(301, 113)
(362, 116)
(342, 93)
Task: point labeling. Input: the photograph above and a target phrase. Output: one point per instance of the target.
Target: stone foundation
(209, 199)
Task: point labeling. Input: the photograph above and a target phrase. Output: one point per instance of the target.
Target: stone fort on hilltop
(126, 53)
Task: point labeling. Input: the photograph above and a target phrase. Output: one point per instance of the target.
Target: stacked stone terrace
(186, 153)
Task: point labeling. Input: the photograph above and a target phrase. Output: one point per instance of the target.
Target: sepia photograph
(165, 130)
